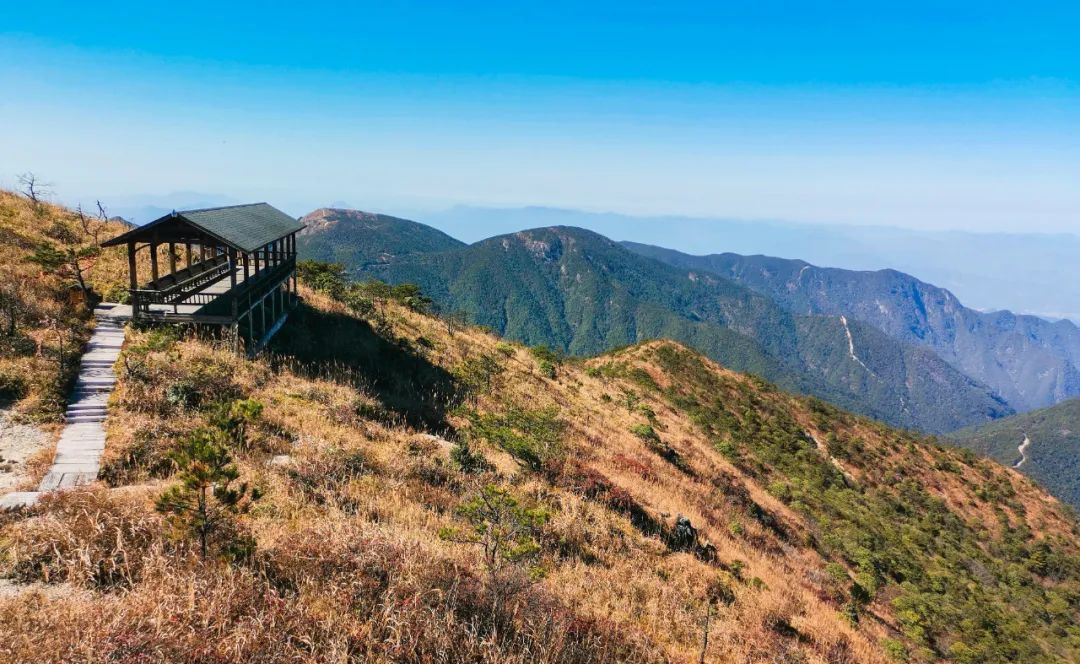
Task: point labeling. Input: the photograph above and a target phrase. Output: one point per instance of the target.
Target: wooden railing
(217, 306)
(172, 289)
(193, 272)
(252, 289)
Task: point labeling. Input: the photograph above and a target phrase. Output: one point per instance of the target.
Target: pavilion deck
(231, 266)
(211, 303)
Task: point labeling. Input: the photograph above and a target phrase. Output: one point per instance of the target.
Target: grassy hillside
(45, 313)
(1052, 455)
(432, 493)
(581, 293)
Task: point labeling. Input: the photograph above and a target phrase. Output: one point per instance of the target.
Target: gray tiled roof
(245, 227)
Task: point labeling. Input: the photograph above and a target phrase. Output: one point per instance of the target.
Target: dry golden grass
(349, 563)
(53, 314)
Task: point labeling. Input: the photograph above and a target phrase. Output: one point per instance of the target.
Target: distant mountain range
(1023, 272)
(1044, 444)
(1030, 362)
(582, 293)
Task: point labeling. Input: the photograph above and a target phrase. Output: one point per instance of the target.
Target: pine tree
(205, 503)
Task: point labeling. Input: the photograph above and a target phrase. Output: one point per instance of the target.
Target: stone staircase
(78, 452)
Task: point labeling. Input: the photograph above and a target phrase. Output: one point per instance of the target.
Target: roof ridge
(221, 207)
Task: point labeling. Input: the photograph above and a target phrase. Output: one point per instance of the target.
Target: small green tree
(236, 417)
(477, 375)
(69, 263)
(328, 278)
(357, 302)
(205, 503)
(505, 530)
(412, 297)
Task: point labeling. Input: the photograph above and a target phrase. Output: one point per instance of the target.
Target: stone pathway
(78, 453)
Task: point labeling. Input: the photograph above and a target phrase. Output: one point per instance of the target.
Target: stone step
(86, 412)
(18, 500)
(100, 399)
(87, 438)
(75, 467)
(84, 458)
(66, 479)
(89, 447)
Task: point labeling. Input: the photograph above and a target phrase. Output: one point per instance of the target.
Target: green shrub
(652, 439)
(182, 394)
(325, 277)
(646, 433)
(543, 353)
(895, 649)
(533, 437)
(160, 339)
(547, 369)
(12, 386)
(468, 461)
(205, 502)
(506, 531)
(411, 296)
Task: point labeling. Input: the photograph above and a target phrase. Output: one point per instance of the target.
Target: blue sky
(938, 115)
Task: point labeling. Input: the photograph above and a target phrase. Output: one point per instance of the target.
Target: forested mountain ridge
(1044, 444)
(582, 293)
(365, 240)
(1029, 361)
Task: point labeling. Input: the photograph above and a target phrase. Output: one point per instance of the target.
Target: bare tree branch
(33, 187)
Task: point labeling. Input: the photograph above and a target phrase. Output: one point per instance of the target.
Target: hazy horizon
(962, 116)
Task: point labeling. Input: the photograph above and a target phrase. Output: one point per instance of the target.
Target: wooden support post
(202, 248)
(153, 261)
(133, 279)
(187, 247)
(172, 258)
(247, 266)
(232, 278)
(232, 291)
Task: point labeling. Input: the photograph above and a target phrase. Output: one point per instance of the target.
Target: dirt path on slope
(1023, 451)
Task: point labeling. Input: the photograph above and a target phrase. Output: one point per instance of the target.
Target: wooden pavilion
(231, 266)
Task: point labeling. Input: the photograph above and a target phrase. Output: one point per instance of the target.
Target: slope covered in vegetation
(577, 291)
(365, 240)
(1031, 362)
(390, 486)
(51, 274)
(1051, 453)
